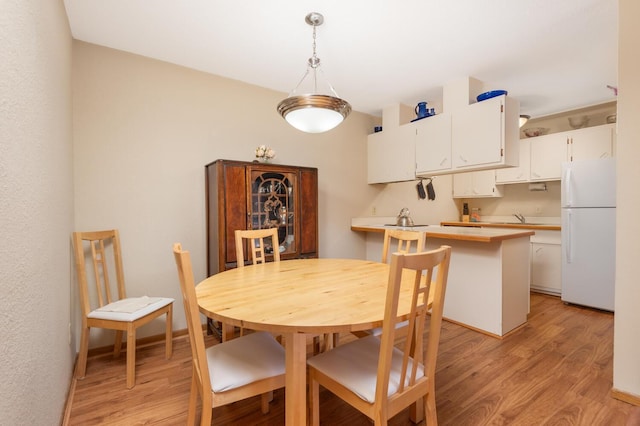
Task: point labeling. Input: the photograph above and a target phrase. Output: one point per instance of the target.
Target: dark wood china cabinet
(252, 195)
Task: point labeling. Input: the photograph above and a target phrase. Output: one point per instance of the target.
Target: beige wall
(143, 131)
(517, 198)
(394, 196)
(626, 347)
(36, 211)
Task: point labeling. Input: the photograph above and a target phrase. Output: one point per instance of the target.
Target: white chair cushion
(130, 309)
(244, 360)
(378, 331)
(355, 366)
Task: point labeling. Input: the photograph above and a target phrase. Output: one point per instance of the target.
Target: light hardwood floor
(556, 370)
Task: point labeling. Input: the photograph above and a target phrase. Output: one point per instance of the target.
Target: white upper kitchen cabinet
(547, 155)
(467, 136)
(485, 134)
(391, 155)
(522, 172)
(550, 151)
(433, 144)
(476, 185)
(591, 142)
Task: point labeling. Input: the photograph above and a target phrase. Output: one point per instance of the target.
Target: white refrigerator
(588, 199)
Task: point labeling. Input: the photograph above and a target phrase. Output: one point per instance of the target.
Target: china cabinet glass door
(273, 205)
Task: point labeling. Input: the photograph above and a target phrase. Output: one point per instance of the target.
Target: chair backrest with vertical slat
(194, 326)
(405, 242)
(420, 268)
(103, 246)
(256, 252)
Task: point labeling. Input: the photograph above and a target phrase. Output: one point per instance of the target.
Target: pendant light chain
(314, 112)
(314, 61)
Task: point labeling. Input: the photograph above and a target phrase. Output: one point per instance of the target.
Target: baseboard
(625, 396)
(67, 406)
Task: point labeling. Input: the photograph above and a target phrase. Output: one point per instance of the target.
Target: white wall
(143, 131)
(36, 211)
(626, 345)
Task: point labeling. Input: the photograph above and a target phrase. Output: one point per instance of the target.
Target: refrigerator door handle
(567, 241)
(568, 193)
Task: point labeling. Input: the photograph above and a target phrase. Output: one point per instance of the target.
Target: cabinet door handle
(462, 159)
(444, 160)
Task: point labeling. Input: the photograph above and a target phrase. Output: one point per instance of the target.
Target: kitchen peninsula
(488, 286)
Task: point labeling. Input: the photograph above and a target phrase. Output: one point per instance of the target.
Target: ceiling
(551, 55)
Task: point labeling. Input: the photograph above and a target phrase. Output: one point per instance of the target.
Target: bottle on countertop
(465, 212)
(475, 214)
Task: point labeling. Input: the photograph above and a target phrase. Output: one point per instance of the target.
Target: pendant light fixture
(524, 119)
(314, 111)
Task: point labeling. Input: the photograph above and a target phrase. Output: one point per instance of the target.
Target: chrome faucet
(520, 217)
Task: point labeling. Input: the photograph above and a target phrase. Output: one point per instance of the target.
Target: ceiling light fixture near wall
(524, 119)
(314, 111)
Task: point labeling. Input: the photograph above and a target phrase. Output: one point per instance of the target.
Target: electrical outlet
(373, 211)
(538, 210)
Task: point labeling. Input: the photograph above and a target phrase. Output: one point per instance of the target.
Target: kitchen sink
(408, 226)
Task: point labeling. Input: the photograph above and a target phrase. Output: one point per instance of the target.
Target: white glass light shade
(314, 113)
(314, 120)
(524, 119)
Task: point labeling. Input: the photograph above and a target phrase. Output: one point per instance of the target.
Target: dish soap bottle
(475, 214)
(465, 212)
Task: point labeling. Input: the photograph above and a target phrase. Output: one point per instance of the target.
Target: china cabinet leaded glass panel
(273, 205)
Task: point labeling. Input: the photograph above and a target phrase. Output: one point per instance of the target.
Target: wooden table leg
(296, 379)
(227, 332)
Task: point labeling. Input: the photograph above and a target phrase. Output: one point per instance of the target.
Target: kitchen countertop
(463, 233)
(532, 226)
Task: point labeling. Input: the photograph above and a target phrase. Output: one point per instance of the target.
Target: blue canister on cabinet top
(421, 110)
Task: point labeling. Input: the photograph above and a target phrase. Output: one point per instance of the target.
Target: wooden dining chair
(404, 242)
(401, 241)
(247, 366)
(372, 374)
(256, 250)
(113, 310)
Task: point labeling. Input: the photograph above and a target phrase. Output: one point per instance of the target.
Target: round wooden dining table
(297, 298)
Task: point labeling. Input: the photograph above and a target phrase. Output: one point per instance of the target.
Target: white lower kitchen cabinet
(546, 261)
(476, 185)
